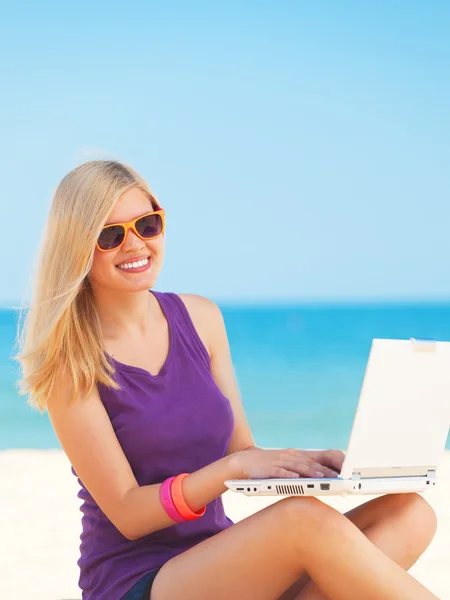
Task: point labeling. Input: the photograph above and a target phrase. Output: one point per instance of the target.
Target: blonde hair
(61, 330)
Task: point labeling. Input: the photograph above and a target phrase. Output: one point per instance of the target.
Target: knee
(418, 517)
(299, 512)
(306, 522)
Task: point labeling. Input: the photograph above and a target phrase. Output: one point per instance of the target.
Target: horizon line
(285, 302)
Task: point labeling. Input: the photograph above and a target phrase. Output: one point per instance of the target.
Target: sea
(299, 369)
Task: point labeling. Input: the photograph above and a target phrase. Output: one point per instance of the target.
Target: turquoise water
(299, 369)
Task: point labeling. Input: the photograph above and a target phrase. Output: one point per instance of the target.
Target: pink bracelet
(167, 502)
(176, 490)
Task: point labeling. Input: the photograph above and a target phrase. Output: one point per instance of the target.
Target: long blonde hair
(60, 330)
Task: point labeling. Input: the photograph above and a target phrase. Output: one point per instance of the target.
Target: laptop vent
(290, 490)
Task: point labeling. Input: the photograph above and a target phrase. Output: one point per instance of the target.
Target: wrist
(234, 466)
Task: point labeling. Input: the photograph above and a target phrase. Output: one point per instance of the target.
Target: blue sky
(301, 149)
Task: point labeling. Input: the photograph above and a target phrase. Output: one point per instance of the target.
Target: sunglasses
(146, 227)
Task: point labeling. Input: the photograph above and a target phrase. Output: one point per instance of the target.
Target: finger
(332, 458)
(309, 455)
(303, 455)
(305, 468)
(293, 452)
(327, 472)
(328, 458)
(321, 467)
(286, 473)
(312, 463)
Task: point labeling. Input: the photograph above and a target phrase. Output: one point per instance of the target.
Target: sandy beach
(40, 527)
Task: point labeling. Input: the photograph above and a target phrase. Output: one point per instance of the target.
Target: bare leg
(401, 525)
(261, 556)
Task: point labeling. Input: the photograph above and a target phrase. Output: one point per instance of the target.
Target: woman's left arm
(208, 320)
(223, 374)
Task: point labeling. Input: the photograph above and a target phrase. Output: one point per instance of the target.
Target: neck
(124, 314)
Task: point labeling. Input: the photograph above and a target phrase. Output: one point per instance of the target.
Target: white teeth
(134, 265)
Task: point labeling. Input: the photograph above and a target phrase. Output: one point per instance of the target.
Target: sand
(40, 527)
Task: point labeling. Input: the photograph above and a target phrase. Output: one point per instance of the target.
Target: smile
(140, 265)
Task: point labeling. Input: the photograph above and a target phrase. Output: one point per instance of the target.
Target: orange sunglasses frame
(132, 225)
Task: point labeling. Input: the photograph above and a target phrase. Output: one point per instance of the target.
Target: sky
(300, 149)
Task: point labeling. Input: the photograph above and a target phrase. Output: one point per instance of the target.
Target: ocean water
(299, 369)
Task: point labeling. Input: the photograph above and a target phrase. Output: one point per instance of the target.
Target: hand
(334, 459)
(261, 463)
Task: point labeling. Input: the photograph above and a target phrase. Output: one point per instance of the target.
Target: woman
(140, 390)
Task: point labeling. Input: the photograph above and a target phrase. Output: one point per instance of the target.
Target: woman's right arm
(91, 445)
(87, 437)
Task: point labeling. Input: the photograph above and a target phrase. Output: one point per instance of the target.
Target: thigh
(384, 507)
(258, 557)
(365, 516)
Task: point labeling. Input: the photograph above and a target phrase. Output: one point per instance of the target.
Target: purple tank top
(175, 422)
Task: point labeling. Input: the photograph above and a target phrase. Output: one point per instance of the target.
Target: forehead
(131, 204)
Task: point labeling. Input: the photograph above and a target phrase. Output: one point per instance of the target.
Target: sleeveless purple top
(175, 422)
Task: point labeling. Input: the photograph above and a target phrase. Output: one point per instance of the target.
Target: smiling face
(109, 268)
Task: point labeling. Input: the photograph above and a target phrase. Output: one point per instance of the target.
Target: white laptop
(399, 430)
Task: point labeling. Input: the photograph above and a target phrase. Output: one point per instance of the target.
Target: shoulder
(200, 305)
(206, 317)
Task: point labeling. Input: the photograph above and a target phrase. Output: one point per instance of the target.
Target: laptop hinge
(431, 474)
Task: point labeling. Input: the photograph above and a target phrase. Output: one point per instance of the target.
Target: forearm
(204, 485)
(142, 508)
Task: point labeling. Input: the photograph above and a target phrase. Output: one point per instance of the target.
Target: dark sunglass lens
(111, 237)
(149, 226)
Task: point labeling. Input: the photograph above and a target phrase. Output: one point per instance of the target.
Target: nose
(132, 242)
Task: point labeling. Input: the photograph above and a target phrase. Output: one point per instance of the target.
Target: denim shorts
(141, 589)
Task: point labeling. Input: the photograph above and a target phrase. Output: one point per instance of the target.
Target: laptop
(399, 431)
